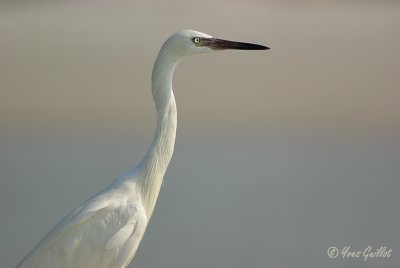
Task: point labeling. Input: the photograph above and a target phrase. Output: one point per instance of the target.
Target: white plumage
(105, 231)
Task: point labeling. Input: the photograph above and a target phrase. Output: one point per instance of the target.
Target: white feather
(106, 230)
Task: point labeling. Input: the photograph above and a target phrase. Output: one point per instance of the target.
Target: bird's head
(190, 42)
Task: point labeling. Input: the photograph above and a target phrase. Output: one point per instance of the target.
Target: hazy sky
(332, 68)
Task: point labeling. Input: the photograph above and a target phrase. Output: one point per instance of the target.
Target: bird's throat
(155, 163)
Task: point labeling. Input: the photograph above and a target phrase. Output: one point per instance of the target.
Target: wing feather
(121, 236)
(103, 233)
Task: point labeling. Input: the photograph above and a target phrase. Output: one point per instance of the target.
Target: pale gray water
(224, 203)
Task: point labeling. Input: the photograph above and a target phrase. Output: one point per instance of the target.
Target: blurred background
(280, 154)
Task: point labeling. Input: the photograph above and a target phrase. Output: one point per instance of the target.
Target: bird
(106, 230)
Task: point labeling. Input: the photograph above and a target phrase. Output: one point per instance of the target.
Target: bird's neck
(156, 161)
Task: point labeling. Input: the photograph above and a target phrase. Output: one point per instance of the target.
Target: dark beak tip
(264, 47)
(260, 47)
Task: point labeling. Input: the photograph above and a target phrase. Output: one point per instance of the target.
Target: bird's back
(104, 232)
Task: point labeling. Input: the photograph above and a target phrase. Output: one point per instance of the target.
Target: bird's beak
(219, 44)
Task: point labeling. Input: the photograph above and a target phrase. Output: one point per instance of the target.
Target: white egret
(105, 231)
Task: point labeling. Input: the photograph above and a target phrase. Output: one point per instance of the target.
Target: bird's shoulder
(117, 209)
(123, 200)
(111, 220)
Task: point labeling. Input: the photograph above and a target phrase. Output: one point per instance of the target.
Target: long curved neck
(155, 163)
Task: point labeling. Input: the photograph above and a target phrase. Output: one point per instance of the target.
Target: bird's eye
(196, 40)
